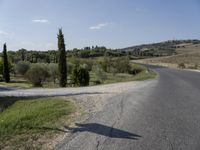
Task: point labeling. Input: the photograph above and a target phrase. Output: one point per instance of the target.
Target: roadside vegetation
(89, 66)
(31, 122)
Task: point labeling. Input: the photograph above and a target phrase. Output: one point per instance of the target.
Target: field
(189, 55)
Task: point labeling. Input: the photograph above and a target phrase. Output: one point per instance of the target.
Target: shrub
(115, 65)
(53, 71)
(83, 77)
(69, 67)
(100, 75)
(106, 63)
(37, 74)
(97, 82)
(87, 64)
(113, 70)
(74, 75)
(181, 65)
(122, 64)
(22, 67)
(135, 70)
(1, 67)
(80, 76)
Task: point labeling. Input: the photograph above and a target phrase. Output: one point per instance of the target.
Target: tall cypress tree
(6, 74)
(62, 60)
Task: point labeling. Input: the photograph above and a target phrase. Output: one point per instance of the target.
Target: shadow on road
(103, 130)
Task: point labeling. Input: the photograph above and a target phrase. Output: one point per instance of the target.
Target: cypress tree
(62, 60)
(6, 74)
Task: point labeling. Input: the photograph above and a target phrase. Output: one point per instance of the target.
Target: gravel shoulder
(92, 98)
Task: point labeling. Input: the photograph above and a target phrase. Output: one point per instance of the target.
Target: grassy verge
(17, 81)
(26, 122)
(144, 74)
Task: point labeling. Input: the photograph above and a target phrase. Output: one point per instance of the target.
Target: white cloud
(3, 33)
(99, 26)
(40, 21)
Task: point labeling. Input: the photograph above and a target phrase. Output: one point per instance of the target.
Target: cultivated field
(188, 54)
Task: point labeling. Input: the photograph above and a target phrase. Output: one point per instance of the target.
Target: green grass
(125, 77)
(16, 84)
(28, 120)
(144, 75)
(17, 81)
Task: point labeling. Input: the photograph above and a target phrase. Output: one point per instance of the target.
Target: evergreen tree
(62, 60)
(6, 74)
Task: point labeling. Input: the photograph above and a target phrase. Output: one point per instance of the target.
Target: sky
(33, 24)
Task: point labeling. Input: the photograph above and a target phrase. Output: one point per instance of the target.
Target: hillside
(186, 54)
(167, 48)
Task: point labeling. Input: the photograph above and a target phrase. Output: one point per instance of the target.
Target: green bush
(97, 82)
(135, 70)
(69, 67)
(87, 63)
(83, 77)
(74, 75)
(1, 67)
(53, 71)
(99, 73)
(22, 67)
(80, 76)
(106, 63)
(37, 74)
(115, 65)
(122, 64)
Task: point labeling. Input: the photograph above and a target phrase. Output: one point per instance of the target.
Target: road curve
(164, 115)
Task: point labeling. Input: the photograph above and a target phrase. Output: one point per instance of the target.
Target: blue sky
(33, 24)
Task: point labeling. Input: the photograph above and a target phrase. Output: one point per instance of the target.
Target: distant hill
(187, 53)
(166, 48)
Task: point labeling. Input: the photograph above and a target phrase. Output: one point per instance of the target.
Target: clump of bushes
(122, 64)
(22, 67)
(116, 65)
(80, 76)
(99, 73)
(53, 71)
(37, 74)
(134, 70)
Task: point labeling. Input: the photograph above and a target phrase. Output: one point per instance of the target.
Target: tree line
(65, 68)
(62, 67)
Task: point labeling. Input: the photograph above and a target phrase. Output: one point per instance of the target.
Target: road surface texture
(164, 115)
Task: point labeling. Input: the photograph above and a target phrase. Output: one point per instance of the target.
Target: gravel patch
(92, 98)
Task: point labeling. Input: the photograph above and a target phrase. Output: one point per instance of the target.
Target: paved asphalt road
(165, 115)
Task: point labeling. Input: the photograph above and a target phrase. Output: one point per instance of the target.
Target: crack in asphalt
(97, 146)
(121, 104)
